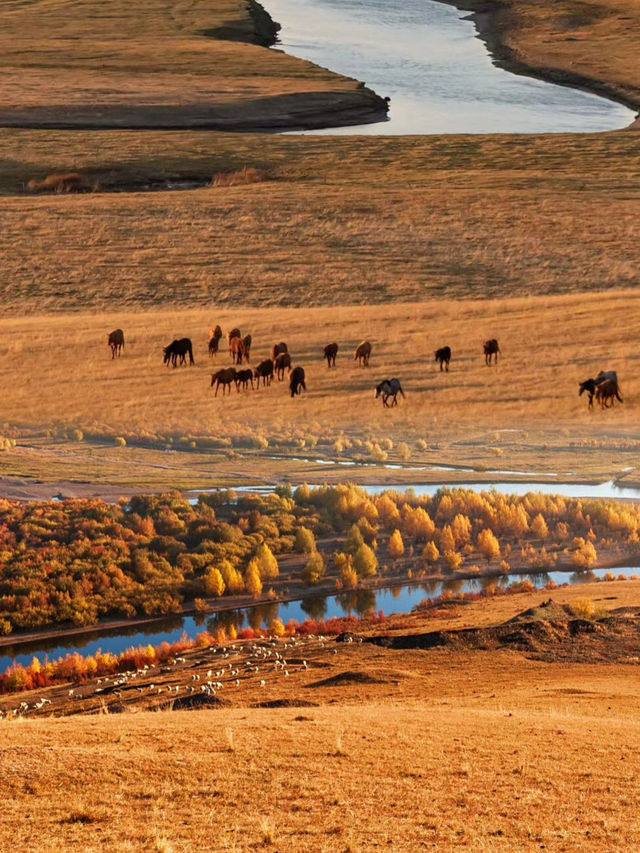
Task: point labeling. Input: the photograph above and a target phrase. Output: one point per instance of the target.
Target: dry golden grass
(446, 750)
(66, 64)
(524, 415)
(344, 220)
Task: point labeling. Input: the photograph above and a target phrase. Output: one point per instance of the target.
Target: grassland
(186, 64)
(435, 749)
(524, 415)
(344, 220)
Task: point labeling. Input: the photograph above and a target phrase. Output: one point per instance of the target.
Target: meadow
(76, 414)
(339, 221)
(367, 747)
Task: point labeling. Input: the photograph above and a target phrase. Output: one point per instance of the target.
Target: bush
(246, 175)
(120, 441)
(305, 541)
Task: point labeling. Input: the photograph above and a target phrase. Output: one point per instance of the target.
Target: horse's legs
(447, 366)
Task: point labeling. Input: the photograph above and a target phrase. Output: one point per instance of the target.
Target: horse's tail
(618, 397)
(190, 350)
(401, 391)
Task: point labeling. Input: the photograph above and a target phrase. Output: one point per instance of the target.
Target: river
(439, 75)
(389, 600)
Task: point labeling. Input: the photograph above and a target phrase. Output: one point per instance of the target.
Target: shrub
(246, 175)
(120, 441)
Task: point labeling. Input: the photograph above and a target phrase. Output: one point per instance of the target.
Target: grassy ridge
(343, 220)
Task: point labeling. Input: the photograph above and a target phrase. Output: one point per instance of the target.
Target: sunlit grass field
(63, 391)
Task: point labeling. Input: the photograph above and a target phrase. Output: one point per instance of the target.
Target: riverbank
(590, 46)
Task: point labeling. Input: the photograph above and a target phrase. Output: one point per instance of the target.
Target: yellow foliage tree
(214, 585)
(365, 562)
(267, 563)
(430, 552)
(488, 545)
(253, 582)
(396, 545)
(539, 527)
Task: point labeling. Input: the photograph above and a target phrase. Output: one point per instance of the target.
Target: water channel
(440, 77)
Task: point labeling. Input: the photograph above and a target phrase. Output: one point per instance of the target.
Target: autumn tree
(267, 563)
(584, 554)
(488, 544)
(396, 545)
(313, 571)
(539, 527)
(214, 585)
(305, 541)
(253, 582)
(430, 552)
(365, 562)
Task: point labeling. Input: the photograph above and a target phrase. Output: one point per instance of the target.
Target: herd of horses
(604, 388)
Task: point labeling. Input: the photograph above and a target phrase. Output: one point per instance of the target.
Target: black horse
(589, 385)
(330, 353)
(443, 355)
(490, 348)
(296, 382)
(178, 348)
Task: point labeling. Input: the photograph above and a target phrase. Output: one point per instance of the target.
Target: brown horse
(363, 352)
(223, 377)
(116, 342)
(276, 349)
(234, 333)
(491, 348)
(237, 349)
(330, 353)
(296, 382)
(264, 371)
(283, 361)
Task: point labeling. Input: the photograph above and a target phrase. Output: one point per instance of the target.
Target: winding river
(427, 58)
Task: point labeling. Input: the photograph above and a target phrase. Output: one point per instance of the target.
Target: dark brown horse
(283, 361)
(443, 355)
(363, 352)
(296, 382)
(247, 346)
(223, 377)
(178, 349)
(214, 340)
(234, 333)
(607, 393)
(490, 348)
(589, 385)
(330, 353)
(276, 349)
(264, 371)
(244, 377)
(116, 342)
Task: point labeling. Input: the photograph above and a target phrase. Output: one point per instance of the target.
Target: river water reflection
(440, 77)
(397, 599)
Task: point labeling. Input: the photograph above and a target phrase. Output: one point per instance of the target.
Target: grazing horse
(264, 371)
(606, 374)
(276, 349)
(244, 377)
(589, 385)
(389, 388)
(116, 342)
(237, 350)
(223, 377)
(443, 355)
(179, 348)
(283, 361)
(247, 346)
(363, 352)
(607, 392)
(214, 340)
(296, 381)
(330, 353)
(490, 348)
